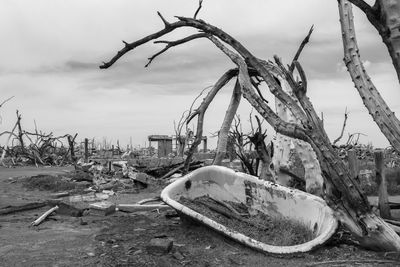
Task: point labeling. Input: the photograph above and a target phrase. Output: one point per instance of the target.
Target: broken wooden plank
(44, 216)
(29, 206)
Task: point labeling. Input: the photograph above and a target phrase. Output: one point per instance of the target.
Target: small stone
(82, 222)
(177, 255)
(159, 246)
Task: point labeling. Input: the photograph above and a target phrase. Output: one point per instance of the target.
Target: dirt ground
(121, 239)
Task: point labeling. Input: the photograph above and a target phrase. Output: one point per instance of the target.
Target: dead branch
(172, 44)
(198, 9)
(300, 49)
(5, 101)
(44, 216)
(346, 115)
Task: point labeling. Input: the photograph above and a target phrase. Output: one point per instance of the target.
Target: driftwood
(44, 216)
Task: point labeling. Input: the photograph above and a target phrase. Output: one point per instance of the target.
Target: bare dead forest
(301, 199)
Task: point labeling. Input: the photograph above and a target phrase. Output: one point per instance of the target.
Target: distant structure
(165, 144)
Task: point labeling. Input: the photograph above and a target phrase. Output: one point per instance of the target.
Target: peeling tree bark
(377, 107)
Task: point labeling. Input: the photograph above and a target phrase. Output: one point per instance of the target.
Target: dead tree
(223, 133)
(344, 196)
(384, 15)
(2, 104)
(241, 142)
(250, 148)
(381, 17)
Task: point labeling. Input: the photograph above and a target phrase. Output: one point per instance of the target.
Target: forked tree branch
(238, 47)
(174, 43)
(285, 128)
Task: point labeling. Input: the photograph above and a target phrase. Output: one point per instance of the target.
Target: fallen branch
(147, 200)
(139, 207)
(29, 206)
(229, 214)
(44, 216)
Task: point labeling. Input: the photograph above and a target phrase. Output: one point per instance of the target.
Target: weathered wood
(139, 207)
(44, 216)
(29, 206)
(227, 212)
(226, 125)
(384, 16)
(381, 113)
(384, 209)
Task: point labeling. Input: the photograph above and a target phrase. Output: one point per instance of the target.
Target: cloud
(52, 50)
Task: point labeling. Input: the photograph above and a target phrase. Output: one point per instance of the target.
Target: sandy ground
(121, 239)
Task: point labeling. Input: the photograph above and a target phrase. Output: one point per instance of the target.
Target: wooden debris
(228, 212)
(44, 216)
(147, 200)
(138, 207)
(64, 208)
(29, 206)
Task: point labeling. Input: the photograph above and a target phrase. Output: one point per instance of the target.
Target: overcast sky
(51, 50)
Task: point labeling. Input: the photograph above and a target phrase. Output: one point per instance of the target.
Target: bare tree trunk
(226, 125)
(377, 107)
(385, 17)
(284, 144)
